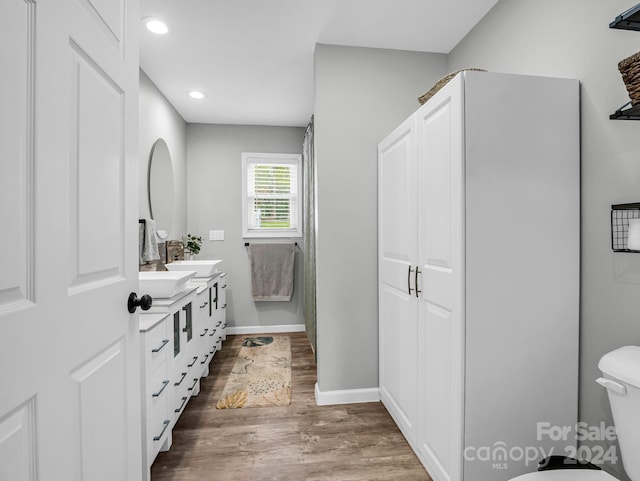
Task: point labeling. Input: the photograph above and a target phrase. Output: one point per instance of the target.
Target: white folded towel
(633, 238)
(149, 242)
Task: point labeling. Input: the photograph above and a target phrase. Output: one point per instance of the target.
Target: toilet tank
(621, 369)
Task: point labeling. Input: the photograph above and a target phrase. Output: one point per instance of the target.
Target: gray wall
(360, 96)
(214, 202)
(572, 39)
(158, 119)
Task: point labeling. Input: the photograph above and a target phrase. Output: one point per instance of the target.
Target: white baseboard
(347, 396)
(264, 329)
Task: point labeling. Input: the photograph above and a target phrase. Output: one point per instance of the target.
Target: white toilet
(621, 369)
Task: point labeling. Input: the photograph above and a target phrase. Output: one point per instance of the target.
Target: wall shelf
(629, 20)
(631, 113)
(620, 215)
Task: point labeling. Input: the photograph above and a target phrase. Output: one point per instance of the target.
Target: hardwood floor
(299, 442)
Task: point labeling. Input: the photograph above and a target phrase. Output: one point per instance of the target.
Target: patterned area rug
(261, 375)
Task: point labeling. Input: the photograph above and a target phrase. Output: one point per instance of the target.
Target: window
(271, 200)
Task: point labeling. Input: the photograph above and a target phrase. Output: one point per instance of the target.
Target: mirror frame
(150, 164)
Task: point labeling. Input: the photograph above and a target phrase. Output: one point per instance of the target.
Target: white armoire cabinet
(479, 211)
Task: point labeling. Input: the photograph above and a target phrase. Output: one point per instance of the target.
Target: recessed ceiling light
(156, 25)
(197, 94)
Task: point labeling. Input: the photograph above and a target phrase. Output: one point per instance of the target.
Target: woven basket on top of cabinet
(442, 82)
(630, 70)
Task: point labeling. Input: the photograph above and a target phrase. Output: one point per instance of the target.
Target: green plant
(192, 243)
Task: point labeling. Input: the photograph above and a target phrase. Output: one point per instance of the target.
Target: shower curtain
(308, 162)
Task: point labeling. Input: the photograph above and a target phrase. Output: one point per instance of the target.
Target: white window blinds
(272, 200)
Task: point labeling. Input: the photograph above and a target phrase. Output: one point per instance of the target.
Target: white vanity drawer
(193, 376)
(202, 304)
(159, 426)
(178, 405)
(158, 387)
(157, 346)
(182, 380)
(204, 362)
(194, 362)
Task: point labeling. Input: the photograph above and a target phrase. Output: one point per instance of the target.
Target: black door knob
(144, 302)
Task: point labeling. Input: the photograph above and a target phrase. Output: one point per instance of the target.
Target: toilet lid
(566, 475)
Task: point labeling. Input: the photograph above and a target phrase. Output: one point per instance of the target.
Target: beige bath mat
(261, 375)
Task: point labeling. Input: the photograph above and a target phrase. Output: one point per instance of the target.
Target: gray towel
(149, 242)
(272, 271)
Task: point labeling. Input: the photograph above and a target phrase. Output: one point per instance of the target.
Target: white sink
(203, 268)
(164, 284)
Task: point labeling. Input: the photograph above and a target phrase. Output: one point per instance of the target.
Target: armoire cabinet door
(397, 204)
(440, 280)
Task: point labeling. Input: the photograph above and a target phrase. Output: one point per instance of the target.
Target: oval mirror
(160, 188)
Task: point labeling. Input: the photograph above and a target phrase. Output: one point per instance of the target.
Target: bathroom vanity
(179, 337)
(156, 421)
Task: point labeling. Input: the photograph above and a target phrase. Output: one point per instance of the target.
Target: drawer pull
(158, 349)
(213, 332)
(195, 381)
(206, 356)
(204, 332)
(194, 361)
(164, 385)
(224, 287)
(159, 436)
(214, 350)
(219, 322)
(225, 306)
(181, 379)
(204, 305)
(219, 339)
(184, 401)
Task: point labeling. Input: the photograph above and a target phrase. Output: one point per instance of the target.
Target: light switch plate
(216, 235)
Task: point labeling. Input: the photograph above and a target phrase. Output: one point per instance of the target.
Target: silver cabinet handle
(225, 306)
(206, 356)
(164, 385)
(181, 379)
(214, 350)
(213, 331)
(204, 332)
(184, 401)
(194, 361)
(204, 305)
(158, 349)
(159, 436)
(418, 291)
(219, 322)
(195, 381)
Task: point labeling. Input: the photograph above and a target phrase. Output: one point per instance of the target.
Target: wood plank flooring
(299, 442)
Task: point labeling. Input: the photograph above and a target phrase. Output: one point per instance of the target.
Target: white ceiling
(254, 58)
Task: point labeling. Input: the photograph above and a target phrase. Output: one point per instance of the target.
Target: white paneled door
(398, 329)
(69, 360)
(441, 280)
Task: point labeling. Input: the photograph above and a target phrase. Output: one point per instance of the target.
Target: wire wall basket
(620, 215)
